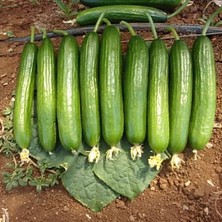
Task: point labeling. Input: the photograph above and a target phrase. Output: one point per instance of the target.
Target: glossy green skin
(22, 121)
(117, 13)
(135, 90)
(204, 93)
(154, 3)
(89, 61)
(158, 108)
(46, 95)
(180, 95)
(68, 96)
(110, 85)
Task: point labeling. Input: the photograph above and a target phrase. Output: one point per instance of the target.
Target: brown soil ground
(169, 199)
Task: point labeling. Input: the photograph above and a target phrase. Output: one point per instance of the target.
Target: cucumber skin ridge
(158, 107)
(110, 85)
(89, 64)
(180, 94)
(46, 95)
(135, 90)
(204, 94)
(22, 115)
(68, 96)
(117, 13)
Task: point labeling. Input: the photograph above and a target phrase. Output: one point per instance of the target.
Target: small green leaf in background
(125, 176)
(75, 1)
(84, 186)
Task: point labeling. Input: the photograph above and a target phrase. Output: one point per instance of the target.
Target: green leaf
(59, 158)
(122, 174)
(84, 186)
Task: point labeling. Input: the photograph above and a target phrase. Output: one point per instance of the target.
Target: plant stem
(175, 34)
(180, 9)
(212, 16)
(32, 39)
(130, 28)
(152, 26)
(44, 35)
(60, 32)
(98, 22)
(106, 21)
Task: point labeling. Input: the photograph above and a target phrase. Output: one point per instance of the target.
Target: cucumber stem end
(136, 151)
(176, 162)
(94, 155)
(113, 151)
(24, 156)
(155, 161)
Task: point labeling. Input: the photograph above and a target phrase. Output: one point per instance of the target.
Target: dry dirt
(192, 193)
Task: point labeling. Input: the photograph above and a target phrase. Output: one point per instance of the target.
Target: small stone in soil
(163, 184)
(206, 210)
(66, 209)
(185, 207)
(218, 169)
(120, 204)
(198, 193)
(132, 218)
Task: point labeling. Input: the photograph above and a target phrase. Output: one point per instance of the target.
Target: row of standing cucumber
(168, 98)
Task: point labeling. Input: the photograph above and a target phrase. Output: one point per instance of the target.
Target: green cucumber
(158, 108)
(89, 91)
(135, 91)
(22, 121)
(46, 95)
(110, 85)
(154, 3)
(89, 61)
(204, 93)
(68, 96)
(117, 13)
(180, 95)
(204, 89)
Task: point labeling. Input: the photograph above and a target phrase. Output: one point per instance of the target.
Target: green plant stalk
(65, 8)
(152, 26)
(98, 22)
(62, 32)
(130, 28)
(175, 34)
(44, 35)
(212, 16)
(32, 39)
(106, 21)
(180, 9)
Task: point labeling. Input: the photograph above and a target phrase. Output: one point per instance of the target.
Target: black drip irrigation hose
(161, 27)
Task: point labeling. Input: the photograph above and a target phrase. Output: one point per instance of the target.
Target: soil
(193, 193)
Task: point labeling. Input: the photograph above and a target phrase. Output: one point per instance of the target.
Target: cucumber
(68, 98)
(154, 3)
(46, 95)
(180, 95)
(204, 93)
(116, 13)
(135, 91)
(89, 61)
(22, 121)
(158, 107)
(110, 86)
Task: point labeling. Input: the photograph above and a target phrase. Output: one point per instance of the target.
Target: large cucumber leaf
(60, 157)
(85, 186)
(122, 174)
